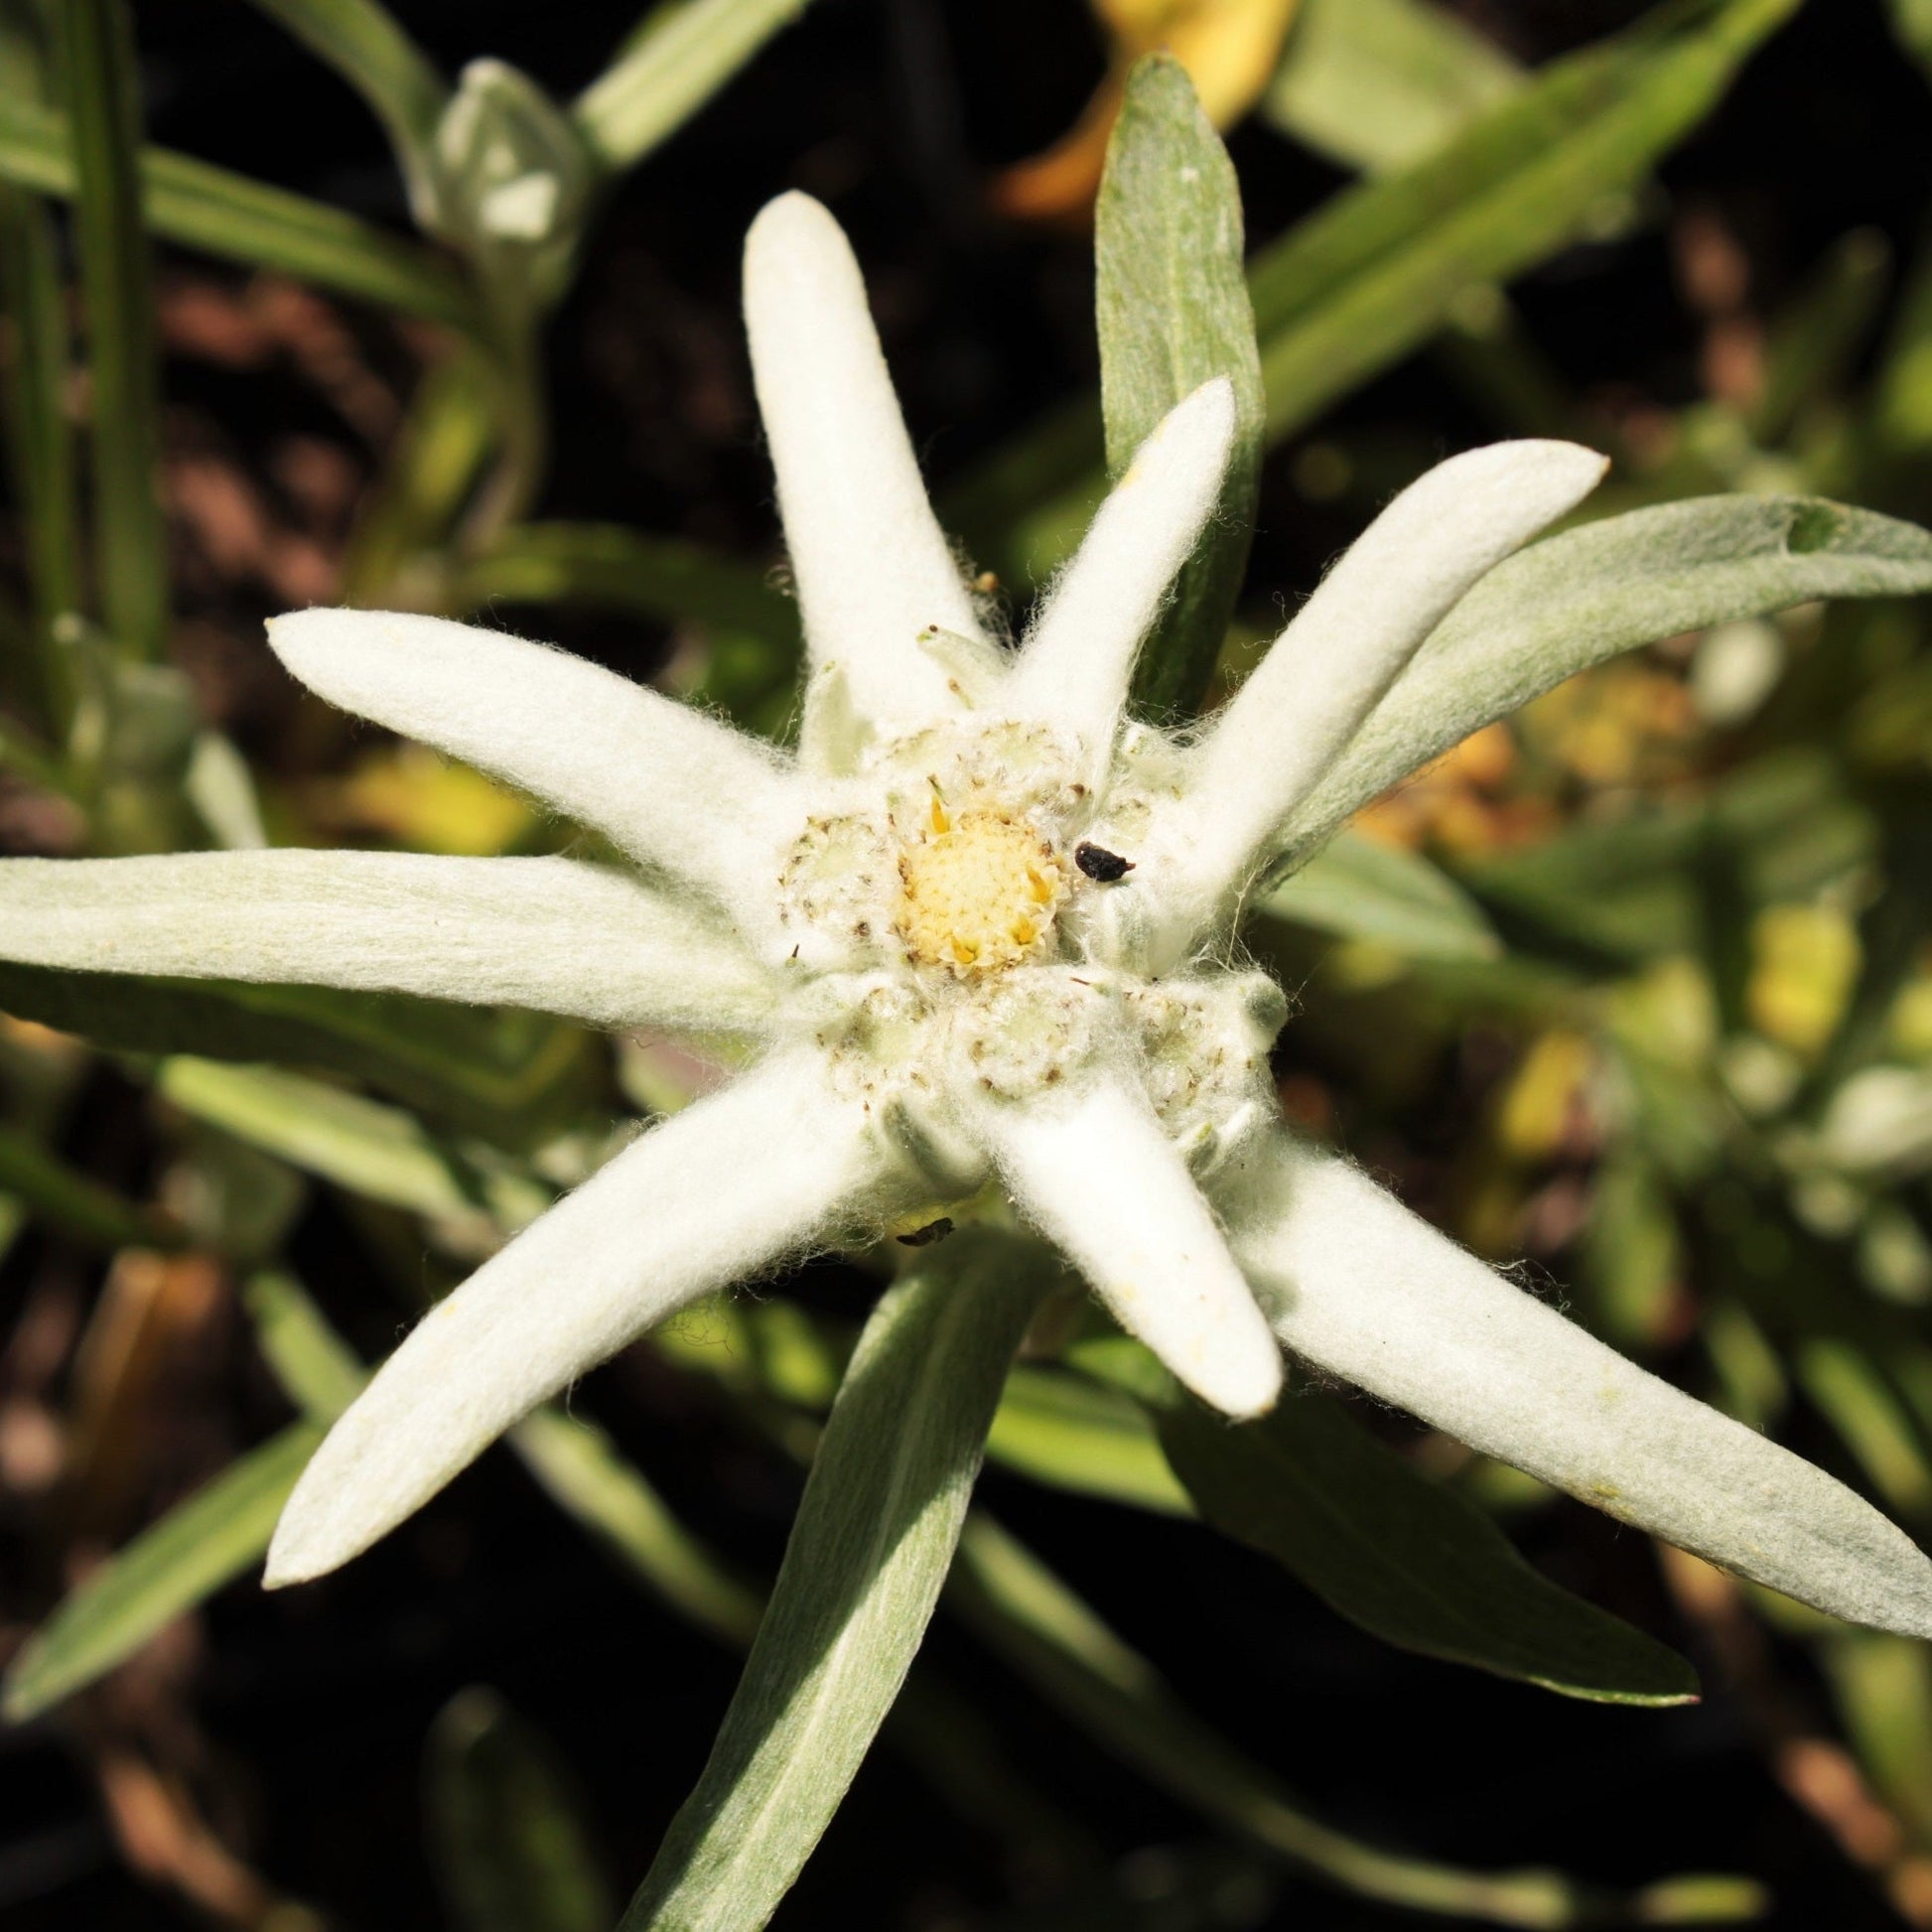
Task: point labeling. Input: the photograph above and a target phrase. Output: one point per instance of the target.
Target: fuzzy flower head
(977, 939)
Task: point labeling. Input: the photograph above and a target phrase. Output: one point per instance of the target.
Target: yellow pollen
(977, 891)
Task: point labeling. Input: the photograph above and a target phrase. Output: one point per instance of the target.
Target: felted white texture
(1079, 656)
(871, 565)
(1362, 1287)
(1093, 1171)
(665, 784)
(760, 1170)
(546, 933)
(1326, 671)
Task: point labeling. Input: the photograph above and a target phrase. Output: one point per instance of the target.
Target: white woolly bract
(665, 784)
(1325, 672)
(1079, 656)
(1362, 1287)
(871, 565)
(1094, 1173)
(769, 1167)
(551, 934)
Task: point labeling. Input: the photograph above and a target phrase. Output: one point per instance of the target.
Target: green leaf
(1575, 600)
(751, 668)
(1052, 1639)
(1407, 1560)
(1379, 84)
(94, 45)
(190, 1554)
(225, 215)
(868, 1551)
(40, 443)
(508, 1077)
(583, 1474)
(1379, 268)
(1172, 312)
(318, 1372)
(1361, 888)
(506, 1832)
(66, 1198)
(368, 48)
(675, 60)
(378, 1151)
(1911, 22)
(1076, 1435)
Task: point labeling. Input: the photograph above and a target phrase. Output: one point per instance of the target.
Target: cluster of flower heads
(977, 942)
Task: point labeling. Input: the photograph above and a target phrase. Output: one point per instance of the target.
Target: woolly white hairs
(952, 923)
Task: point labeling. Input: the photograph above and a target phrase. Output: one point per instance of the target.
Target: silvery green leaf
(1361, 888)
(1172, 313)
(869, 1549)
(1574, 600)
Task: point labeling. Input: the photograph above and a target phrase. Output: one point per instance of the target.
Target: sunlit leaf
(1076, 1435)
(868, 1551)
(190, 1554)
(1172, 313)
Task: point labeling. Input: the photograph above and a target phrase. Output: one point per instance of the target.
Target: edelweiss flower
(978, 938)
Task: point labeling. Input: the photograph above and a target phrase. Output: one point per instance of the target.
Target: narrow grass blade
(1172, 313)
(1028, 1616)
(226, 215)
(39, 442)
(368, 48)
(184, 1558)
(80, 1206)
(678, 57)
(95, 61)
(868, 1551)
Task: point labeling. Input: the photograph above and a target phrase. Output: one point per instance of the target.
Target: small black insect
(925, 1237)
(1098, 862)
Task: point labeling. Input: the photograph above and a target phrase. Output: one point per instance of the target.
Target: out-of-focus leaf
(1631, 890)
(1407, 1560)
(506, 1832)
(868, 1551)
(577, 1463)
(1870, 1422)
(66, 1198)
(40, 443)
(1632, 1253)
(378, 1151)
(368, 48)
(1375, 272)
(1076, 1435)
(93, 47)
(1172, 313)
(507, 1077)
(190, 1554)
(1575, 600)
(674, 61)
(1030, 1617)
(225, 215)
(1912, 21)
(1379, 84)
(1885, 1691)
(1361, 889)
(319, 1371)
(1818, 337)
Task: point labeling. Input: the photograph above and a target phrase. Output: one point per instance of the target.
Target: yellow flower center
(978, 892)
